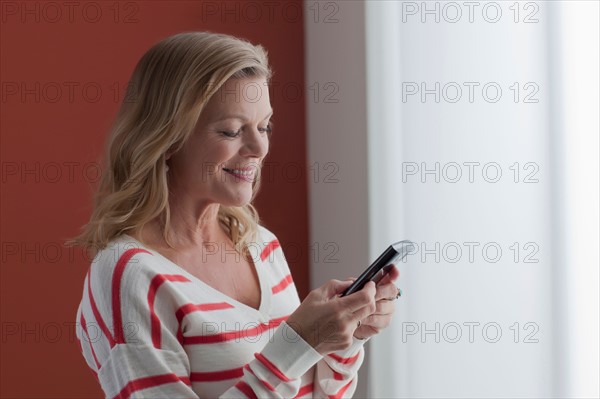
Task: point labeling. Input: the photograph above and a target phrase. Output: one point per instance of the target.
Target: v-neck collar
(265, 294)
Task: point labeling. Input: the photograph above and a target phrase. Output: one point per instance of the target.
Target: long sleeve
(336, 375)
(132, 340)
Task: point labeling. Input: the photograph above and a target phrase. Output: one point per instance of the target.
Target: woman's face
(229, 142)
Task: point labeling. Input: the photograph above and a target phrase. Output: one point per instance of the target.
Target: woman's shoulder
(265, 235)
(124, 257)
(117, 248)
(270, 247)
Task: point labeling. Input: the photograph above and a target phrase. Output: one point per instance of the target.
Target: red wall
(54, 122)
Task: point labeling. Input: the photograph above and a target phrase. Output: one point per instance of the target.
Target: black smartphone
(382, 265)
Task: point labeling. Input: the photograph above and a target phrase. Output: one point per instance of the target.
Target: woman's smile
(246, 175)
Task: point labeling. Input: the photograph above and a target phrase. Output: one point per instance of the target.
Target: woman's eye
(268, 129)
(231, 134)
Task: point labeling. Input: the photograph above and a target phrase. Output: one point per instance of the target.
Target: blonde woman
(188, 295)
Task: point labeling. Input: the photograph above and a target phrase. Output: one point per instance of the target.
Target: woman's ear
(169, 153)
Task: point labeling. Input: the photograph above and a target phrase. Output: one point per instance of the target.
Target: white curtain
(483, 138)
(575, 117)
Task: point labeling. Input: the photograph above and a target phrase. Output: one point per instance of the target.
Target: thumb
(337, 287)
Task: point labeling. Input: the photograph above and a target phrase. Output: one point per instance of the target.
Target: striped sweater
(149, 329)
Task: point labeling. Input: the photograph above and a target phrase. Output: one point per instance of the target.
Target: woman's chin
(237, 201)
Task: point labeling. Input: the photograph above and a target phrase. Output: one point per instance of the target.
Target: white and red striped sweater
(149, 329)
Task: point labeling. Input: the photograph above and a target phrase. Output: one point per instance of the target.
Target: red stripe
(96, 376)
(344, 360)
(305, 390)
(97, 314)
(202, 307)
(337, 376)
(92, 370)
(155, 284)
(116, 291)
(267, 363)
(246, 390)
(232, 335)
(180, 335)
(283, 284)
(265, 383)
(149, 382)
(190, 307)
(340, 393)
(217, 375)
(269, 248)
(83, 324)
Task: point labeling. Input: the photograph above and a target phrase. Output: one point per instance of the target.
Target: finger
(351, 279)
(387, 291)
(385, 307)
(336, 287)
(361, 314)
(391, 275)
(360, 299)
(378, 321)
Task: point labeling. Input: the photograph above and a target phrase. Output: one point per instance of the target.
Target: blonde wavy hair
(168, 90)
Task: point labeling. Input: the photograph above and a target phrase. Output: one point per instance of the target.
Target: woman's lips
(242, 175)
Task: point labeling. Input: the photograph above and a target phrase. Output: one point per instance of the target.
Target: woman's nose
(256, 143)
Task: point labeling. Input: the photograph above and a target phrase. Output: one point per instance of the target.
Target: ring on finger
(398, 295)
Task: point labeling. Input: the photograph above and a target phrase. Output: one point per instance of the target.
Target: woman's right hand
(327, 321)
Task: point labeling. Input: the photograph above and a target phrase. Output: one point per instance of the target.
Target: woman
(188, 295)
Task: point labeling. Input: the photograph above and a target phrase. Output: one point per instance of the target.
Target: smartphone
(382, 265)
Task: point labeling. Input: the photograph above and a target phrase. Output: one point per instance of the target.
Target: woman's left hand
(385, 297)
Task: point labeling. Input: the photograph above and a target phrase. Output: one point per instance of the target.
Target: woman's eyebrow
(241, 117)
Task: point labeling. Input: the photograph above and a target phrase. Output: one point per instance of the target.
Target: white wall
(337, 139)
